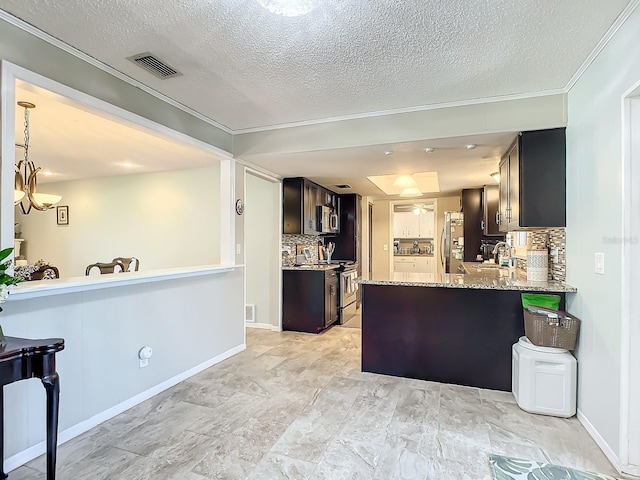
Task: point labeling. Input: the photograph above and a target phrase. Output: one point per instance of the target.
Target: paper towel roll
(537, 265)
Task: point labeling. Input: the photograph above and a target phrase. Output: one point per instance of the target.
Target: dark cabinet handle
(498, 218)
(482, 225)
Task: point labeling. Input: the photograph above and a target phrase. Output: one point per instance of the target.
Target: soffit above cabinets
(246, 67)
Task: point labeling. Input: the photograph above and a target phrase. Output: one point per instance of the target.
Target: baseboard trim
(38, 449)
(263, 326)
(601, 442)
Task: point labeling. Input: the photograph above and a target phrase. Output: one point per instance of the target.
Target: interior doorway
(262, 251)
(630, 361)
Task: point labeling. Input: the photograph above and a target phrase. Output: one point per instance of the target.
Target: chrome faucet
(496, 250)
(498, 245)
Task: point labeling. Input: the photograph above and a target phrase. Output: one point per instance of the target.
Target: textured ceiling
(246, 67)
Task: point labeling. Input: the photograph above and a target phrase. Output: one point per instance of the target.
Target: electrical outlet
(386, 247)
(599, 263)
(554, 255)
(238, 248)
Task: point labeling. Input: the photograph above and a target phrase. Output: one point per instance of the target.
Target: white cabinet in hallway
(415, 264)
(410, 225)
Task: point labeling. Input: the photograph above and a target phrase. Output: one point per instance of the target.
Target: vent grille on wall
(250, 313)
(154, 65)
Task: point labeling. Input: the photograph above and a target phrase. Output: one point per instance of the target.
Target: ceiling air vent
(154, 65)
(343, 185)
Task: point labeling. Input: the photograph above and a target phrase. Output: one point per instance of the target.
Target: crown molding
(419, 108)
(613, 29)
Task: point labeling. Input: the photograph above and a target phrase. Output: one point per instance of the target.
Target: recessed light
(429, 149)
(388, 153)
(127, 164)
(471, 146)
(47, 173)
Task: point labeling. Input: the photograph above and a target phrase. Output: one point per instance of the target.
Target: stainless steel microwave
(327, 219)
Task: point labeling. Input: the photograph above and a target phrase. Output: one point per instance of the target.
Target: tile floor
(296, 406)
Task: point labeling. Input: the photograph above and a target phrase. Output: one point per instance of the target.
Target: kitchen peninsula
(450, 328)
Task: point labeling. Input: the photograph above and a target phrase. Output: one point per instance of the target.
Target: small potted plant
(6, 283)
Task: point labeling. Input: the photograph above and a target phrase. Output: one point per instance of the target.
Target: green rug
(507, 468)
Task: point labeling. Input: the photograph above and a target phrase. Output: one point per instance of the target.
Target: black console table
(20, 359)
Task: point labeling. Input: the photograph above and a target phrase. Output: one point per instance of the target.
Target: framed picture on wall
(63, 215)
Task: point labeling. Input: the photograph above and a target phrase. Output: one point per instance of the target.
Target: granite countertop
(485, 279)
(312, 266)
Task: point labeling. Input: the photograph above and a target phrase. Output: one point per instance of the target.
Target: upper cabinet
(533, 181)
(308, 208)
(490, 205)
(410, 225)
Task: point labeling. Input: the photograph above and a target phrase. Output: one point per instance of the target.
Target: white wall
(382, 222)
(594, 200)
(186, 321)
(165, 219)
(262, 233)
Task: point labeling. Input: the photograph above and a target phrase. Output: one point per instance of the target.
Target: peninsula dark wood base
(461, 336)
(21, 359)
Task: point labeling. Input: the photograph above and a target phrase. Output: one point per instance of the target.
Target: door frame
(630, 330)
(272, 178)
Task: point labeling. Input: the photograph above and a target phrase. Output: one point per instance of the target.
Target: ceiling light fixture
(25, 182)
(289, 8)
(471, 146)
(495, 176)
(411, 192)
(405, 181)
(388, 153)
(429, 149)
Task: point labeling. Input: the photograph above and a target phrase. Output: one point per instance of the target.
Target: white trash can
(544, 379)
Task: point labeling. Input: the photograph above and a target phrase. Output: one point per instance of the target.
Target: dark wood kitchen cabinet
(309, 300)
(301, 198)
(348, 242)
(472, 202)
(490, 206)
(533, 181)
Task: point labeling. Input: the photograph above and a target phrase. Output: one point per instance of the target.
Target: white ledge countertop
(497, 279)
(59, 286)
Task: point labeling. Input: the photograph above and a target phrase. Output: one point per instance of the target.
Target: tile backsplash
(551, 238)
(291, 241)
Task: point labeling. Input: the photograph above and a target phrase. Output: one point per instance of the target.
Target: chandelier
(25, 180)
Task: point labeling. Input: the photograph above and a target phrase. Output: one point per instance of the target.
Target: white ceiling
(73, 142)
(457, 167)
(247, 68)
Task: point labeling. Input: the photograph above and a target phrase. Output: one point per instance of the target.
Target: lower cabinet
(415, 264)
(309, 300)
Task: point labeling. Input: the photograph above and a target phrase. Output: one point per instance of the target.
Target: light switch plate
(385, 248)
(599, 263)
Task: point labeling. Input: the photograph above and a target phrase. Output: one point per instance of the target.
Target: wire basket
(544, 331)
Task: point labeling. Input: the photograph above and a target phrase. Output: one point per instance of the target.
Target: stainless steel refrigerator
(452, 243)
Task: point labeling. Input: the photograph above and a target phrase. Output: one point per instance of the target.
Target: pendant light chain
(26, 135)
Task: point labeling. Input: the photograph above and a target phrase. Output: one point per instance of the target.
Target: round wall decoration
(239, 206)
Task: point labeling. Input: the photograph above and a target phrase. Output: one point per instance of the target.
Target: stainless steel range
(347, 305)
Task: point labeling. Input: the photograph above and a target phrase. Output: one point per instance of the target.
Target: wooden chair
(45, 272)
(127, 261)
(106, 267)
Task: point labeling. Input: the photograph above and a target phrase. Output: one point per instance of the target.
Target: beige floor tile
(297, 407)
